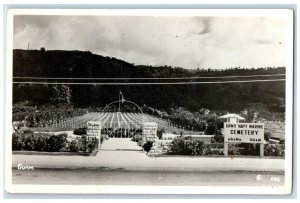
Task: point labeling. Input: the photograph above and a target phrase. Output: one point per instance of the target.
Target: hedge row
(30, 141)
(274, 150)
(277, 150)
(180, 146)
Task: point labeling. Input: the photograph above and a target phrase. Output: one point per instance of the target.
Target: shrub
(73, 147)
(56, 142)
(218, 137)
(147, 146)
(92, 144)
(213, 149)
(16, 142)
(40, 143)
(140, 143)
(82, 144)
(244, 149)
(160, 133)
(188, 138)
(195, 147)
(28, 142)
(274, 150)
(51, 143)
(250, 149)
(267, 136)
(79, 131)
(180, 146)
(211, 128)
(136, 138)
(233, 149)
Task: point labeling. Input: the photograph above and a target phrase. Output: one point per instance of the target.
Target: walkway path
(117, 152)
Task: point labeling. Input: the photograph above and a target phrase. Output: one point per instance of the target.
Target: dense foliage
(277, 150)
(38, 142)
(137, 138)
(147, 146)
(232, 97)
(274, 150)
(79, 131)
(181, 146)
(30, 141)
(44, 115)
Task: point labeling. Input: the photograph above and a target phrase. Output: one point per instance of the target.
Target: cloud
(189, 42)
(205, 22)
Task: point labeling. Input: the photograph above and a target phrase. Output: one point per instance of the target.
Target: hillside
(232, 97)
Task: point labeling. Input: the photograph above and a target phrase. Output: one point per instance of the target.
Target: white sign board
(150, 129)
(244, 132)
(93, 129)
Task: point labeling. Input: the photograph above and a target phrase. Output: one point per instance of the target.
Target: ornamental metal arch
(121, 124)
(131, 102)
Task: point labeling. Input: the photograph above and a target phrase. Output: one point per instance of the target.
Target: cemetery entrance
(122, 119)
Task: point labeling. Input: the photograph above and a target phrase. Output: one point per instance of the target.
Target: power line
(140, 83)
(176, 78)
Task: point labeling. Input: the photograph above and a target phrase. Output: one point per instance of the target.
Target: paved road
(106, 176)
(121, 161)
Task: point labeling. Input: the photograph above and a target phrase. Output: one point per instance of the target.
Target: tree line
(231, 97)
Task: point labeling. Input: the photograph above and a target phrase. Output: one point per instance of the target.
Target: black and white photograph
(145, 101)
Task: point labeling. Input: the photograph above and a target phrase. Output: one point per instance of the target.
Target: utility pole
(119, 102)
(28, 45)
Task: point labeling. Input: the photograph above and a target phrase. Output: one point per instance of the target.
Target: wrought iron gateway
(122, 119)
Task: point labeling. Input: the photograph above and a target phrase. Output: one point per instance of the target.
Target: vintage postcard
(148, 101)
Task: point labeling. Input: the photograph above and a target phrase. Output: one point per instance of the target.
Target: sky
(187, 41)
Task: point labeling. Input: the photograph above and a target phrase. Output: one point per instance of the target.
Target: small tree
(267, 136)
(79, 131)
(160, 133)
(43, 50)
(61, 94)
(147, 146)
(73, 147)
(56, 142)
(218, 137)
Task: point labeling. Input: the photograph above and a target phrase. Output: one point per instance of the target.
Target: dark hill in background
(77, 64)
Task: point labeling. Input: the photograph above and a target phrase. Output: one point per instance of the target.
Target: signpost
(243, 133)
(94, 131)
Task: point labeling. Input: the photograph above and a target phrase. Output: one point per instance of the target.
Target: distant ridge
(83, 64)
